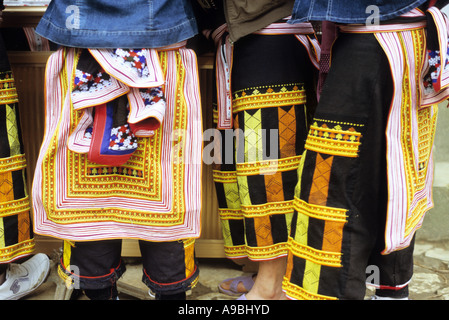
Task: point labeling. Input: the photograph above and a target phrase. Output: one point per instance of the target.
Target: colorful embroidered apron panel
(412, 127)
(154, 194)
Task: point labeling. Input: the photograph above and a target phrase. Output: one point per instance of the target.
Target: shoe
(22, 279)
(247, 282)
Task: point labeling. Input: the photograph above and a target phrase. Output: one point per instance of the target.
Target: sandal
(247, 281)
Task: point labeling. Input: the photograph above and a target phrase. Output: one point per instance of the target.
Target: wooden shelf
(17, 17)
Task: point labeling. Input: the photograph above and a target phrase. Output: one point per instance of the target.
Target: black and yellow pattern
(258, 159)
(320, 213)
(255, 196)
(16, 232)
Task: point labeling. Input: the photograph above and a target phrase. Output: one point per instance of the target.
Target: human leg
(269, 287)
(3, 268)
(169, 268)
(392, 273)
(269, 81)
(93, 266)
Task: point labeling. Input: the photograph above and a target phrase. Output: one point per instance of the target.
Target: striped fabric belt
(436, 66)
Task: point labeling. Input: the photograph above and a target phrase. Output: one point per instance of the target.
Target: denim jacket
(350, 11)
(118, 23)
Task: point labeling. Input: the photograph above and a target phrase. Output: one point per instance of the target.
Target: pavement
(430, 280)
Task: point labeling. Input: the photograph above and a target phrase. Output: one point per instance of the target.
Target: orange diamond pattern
(320, 185)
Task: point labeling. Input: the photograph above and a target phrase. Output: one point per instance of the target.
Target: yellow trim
(20, 249)
(2, 233)
(230, 214)
(13, 163)
(332, 147)
(14, 207)
(320, 212)
(268, 166)
(270, 208)
(257, 253)
(299, 293)
(224, 176)
(311, 278)
(256, 100)
(325, 258)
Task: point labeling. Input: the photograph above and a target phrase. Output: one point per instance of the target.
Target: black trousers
(169, 268)
(355, 100)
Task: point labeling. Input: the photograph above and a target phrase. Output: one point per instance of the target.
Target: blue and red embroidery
(122, 138)
(109, 137)
(152, 96)
(135, 58)
(432, 79)
(85, 81)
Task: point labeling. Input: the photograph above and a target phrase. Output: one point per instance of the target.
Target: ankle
(266, 293)
(3, 268)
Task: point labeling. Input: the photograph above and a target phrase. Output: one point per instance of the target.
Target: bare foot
(268, 284)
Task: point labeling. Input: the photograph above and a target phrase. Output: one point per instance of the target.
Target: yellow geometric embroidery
(311, 277)
(333, 141)
(254, 211)
(268, 166)
(231, 191)
(321, 257)
(266, 97)
(13, 135)
(320, 212)
(302, 226)
(8, 93)
(253, 137)
(2, 234)
(244, 190)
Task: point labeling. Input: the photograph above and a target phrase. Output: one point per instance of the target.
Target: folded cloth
(121, 95)
(112, 140)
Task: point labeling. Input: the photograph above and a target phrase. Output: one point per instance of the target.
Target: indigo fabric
(117, 23)
(357, 12)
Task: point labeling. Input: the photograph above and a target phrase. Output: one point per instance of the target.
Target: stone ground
(430, 280)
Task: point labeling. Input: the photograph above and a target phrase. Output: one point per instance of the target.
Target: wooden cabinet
(29, 71)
